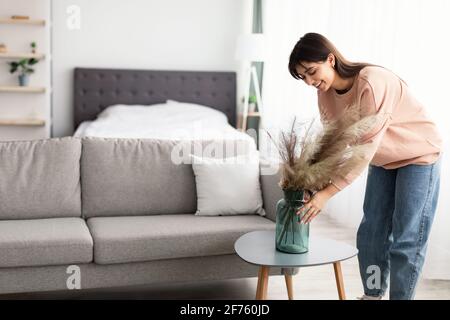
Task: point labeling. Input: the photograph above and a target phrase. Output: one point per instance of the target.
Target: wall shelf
(18, 55)
(22, 122)
(250, 114)
(22, 89)
(26, 110)
(241, 120)
(37, 22)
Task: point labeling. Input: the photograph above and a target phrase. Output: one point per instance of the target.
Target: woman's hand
(317, 202)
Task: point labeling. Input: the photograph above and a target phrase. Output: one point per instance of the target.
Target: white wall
(141, 34)
(18, 39)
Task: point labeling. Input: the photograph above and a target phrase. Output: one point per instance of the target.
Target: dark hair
(314, 47)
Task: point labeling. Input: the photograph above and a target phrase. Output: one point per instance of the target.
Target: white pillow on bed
(170, 110)
(200, 110)
(123, 110)
(172, 120)
(228, 186)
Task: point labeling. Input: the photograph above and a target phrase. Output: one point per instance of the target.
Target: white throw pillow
(228, 186)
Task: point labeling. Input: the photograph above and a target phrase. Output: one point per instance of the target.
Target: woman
(404, 173)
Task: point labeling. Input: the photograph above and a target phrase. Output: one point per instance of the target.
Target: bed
(156, 104)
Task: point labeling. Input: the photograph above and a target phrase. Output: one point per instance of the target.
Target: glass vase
(23, 80)
(291, 236)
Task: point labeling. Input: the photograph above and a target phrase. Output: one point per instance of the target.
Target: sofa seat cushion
(146, 238)
(43, 242)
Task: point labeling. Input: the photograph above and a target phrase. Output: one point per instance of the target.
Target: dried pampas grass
(310, 160)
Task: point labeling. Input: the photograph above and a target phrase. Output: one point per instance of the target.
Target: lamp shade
(251, 47)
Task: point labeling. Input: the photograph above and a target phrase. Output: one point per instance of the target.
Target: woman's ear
(331, 59)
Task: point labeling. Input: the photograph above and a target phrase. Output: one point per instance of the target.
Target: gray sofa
(119, 210)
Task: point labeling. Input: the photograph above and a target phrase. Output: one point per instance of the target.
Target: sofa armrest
(271, 191)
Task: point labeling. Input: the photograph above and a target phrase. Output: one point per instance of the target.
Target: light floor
(316, 283)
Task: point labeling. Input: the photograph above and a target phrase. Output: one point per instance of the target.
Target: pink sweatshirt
(404, 135)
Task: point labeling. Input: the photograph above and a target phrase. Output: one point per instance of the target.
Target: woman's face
(318, 74)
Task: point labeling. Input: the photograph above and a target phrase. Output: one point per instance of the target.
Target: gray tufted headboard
(96, 89)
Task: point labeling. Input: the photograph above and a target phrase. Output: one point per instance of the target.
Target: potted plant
(252, 101)
(33, 47)
(308, 161)
(24, 68)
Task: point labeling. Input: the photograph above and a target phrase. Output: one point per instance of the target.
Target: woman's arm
(317, 202)
(330, 190)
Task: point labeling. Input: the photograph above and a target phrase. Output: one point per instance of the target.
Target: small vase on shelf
(290, 235)
(23, 80)
(252, 107)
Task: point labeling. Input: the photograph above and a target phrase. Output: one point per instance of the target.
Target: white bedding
(171, 120)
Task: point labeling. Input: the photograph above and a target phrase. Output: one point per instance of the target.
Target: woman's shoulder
(376, 73)
(377, 77)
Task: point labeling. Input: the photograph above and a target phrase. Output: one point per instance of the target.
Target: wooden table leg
(258, 287)
(263, 279)
(339, 280)
(290, 290)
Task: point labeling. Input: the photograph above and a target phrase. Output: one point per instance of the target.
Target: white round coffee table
(258, 248)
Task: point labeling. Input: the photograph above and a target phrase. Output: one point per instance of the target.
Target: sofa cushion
(146, 238)
(42, 242)
(40, 179)
(228, 186)
(139, 176)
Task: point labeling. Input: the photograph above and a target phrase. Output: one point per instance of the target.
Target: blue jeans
(399, 208)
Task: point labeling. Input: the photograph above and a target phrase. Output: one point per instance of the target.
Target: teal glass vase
(291, 236)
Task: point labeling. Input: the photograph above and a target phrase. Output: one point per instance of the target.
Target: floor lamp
(250, 48)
